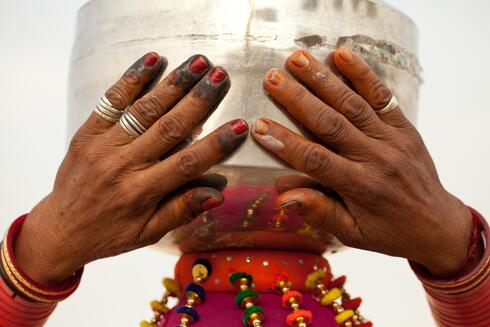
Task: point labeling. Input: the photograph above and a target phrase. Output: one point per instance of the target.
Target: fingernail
(198, 65)
(210, 204)
(300, 60)
(275, 77)
(151, 59)
(291, 206)
(239, 127)
(345, 54)
(261, 127)
(216, 75)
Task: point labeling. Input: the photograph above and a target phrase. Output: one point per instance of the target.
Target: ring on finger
(106, 110)
(392, 105)
(131, 125)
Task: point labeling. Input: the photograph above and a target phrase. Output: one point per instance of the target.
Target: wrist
(21, 283)
(451, 240)
(39, 250)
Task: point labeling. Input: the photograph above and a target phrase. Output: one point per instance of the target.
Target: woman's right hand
(114, 193)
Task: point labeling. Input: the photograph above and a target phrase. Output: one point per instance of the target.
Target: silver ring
(392, 105)
(131, 125)
(106, 110)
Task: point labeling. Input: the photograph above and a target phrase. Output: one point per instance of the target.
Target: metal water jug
(247, 37)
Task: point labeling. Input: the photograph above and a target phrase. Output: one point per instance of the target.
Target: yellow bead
(313, 278)
(146, 324)
(171, 285)
(158, 307)
(344, 316)
(331, 296)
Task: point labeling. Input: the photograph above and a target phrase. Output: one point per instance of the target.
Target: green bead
(239, 275)
(251, 311)
(243, 295)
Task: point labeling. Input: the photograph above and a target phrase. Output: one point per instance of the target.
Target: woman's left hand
(391, 200)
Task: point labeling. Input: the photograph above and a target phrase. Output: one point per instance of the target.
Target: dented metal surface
(247, 37)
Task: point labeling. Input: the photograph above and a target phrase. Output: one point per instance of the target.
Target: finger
(330, 63)
(328, 87)
(311, 158)
(285, 183)
(368, 85)
(213, 180)
(179, 210)
(326, 123)
(320, 211)
(193, 161)
(173, 127)
(128, 88)
(153, 105)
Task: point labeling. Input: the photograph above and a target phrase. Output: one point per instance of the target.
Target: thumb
(320, 211)
(179, 210)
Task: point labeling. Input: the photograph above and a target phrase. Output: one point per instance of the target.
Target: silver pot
(247, 37)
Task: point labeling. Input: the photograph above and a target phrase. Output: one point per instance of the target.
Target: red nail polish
(150, 59)
(239, 127)
(198, 65)
(216, 75)
(210, 204)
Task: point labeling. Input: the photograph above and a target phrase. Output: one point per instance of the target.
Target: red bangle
(22, 284)
(475, 270)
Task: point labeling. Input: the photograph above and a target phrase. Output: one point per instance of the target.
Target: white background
(35, 43)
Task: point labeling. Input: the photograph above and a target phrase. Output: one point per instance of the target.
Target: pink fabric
(220, 310)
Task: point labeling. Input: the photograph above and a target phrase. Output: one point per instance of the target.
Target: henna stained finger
(153, 105)
(177, 124)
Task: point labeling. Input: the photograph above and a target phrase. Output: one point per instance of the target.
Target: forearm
(462, 300)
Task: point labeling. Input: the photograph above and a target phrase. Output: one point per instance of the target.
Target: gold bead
(146, 324)
(249, 304)
(250, 212)
(348, 324)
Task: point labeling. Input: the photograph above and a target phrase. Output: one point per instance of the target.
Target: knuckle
(380, 94)
(331, 127)
(315, 161)
(148, 110)
(392, 165)
(170, 130)
(189, 164)
(118, 95)
(354, 108)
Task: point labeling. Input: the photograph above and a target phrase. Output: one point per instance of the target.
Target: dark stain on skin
(228, 140)
(310, 41)
(138, 69)
(309, 5)
(213, 180)
(184, 77)
(265, 14)
(338, 4)
(196, 197)
(210, 92)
